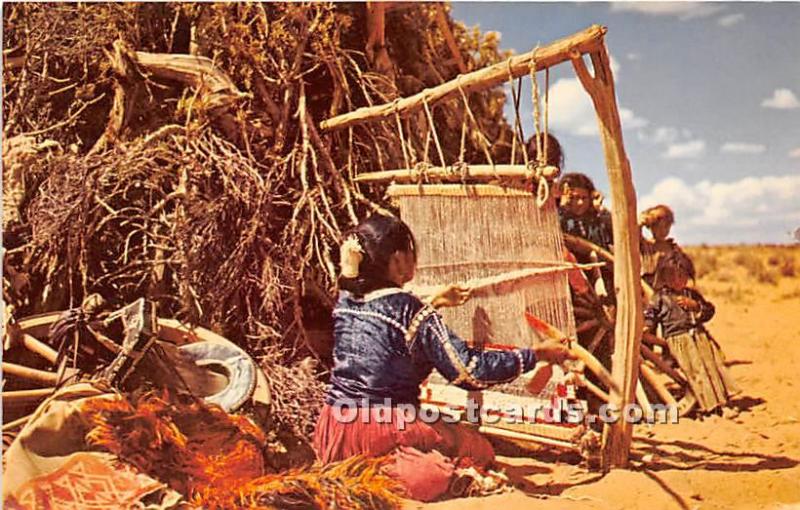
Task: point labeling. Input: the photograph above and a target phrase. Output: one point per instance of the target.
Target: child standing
(659, 221)
(682, 312)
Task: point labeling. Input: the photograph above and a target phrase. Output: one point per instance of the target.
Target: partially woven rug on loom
(215, 460)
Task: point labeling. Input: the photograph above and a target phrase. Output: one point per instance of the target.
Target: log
(444, 26)
(586, 326)
(662, 365)
(653, 339)
(19, 422)
(30, 374)
(519, 436)
(598, 337)
(22, 397)
(627, 259)
(215, 87)
(585, 41)
(38, 347)
(659, 388)
(594, 365)
(644, 402)
(602, 395)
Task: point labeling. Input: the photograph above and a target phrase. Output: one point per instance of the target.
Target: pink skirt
(424, 456)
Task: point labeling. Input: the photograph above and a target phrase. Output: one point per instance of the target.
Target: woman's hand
(451, 295)
(553, 351)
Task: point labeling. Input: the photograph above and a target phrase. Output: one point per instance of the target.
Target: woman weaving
(386, 343)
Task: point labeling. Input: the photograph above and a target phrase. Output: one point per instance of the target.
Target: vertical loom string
(402, 139)
(463, 148)
(542, 188)
(514, 100)
(433, 130)
(519, 122)
(484, 141)
(536, 112)
(546, 108)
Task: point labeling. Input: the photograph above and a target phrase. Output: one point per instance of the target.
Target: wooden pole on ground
(30, 374)
(627, 264)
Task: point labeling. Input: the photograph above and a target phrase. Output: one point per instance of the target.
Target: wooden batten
(482, 286)
(555, 53)
(456, 190)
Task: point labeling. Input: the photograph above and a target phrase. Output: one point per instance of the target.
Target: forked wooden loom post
(616, 437)
(627, 262)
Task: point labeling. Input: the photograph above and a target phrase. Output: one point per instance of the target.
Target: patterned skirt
(424, 457)
(702, 361)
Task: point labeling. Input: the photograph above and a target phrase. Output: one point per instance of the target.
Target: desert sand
(751, 461)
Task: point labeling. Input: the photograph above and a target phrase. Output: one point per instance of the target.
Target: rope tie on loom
(542, 187)
(421, 171)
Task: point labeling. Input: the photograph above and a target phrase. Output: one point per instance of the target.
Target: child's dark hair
(674, 260)
(576, 180)
(380, 236)
(659, 212)
(554, 156)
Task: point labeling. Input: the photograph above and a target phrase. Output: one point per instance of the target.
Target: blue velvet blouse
(387, 342)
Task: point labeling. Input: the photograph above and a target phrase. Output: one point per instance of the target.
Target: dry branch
(560, 51)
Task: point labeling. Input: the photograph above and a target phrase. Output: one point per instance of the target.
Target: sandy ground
(752, 461)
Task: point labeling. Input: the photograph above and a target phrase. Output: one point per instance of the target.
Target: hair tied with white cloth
(351, 253)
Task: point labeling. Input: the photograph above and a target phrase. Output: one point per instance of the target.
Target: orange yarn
(216, 460)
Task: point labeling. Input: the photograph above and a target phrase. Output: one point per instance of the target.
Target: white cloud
(659, 135)
(571, 109)
(730, 19)
(685, 150)
(633, 56)
(614, 63)
(681, 10)
(782, 99)
(629, 120)
(752, 209)
(743, 148)
(794, 153)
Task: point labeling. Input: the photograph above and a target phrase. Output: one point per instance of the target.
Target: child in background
(682, 312)
(659, 221)
(579, 217)
(577, 213)
(554, 156)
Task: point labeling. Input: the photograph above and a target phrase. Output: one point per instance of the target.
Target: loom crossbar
(563, 50)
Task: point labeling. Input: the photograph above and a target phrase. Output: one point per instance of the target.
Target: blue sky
(710, 100)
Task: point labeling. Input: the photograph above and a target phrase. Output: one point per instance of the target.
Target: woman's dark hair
(674, 260)
(380, 236)
(576, 180)
(554, 157)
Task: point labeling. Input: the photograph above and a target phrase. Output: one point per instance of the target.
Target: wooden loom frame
(627, 264)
